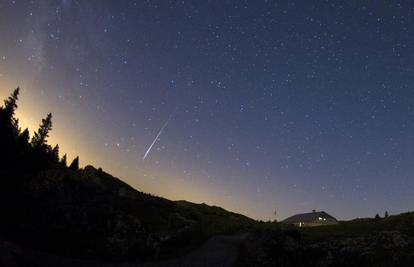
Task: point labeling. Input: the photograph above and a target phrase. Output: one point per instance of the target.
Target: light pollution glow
(32, 108)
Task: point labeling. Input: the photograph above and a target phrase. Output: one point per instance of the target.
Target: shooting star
(156, 138)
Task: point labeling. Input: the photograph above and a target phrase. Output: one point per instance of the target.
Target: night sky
(259, 105)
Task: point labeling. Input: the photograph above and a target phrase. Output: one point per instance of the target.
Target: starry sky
(268, 106)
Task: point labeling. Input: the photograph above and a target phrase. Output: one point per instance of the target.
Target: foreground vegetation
(361, 242)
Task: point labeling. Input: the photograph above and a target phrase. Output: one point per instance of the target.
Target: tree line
(19, 151)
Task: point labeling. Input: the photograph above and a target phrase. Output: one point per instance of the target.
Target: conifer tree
(55, 153)
(39, 138)
(63, 161)
(10, 104)
(75, 164)
(24, 137)
(7, 113)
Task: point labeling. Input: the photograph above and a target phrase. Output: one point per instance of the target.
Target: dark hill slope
(361, 242)
(90, 214)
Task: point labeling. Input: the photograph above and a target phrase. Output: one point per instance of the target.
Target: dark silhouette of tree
(386, 214)
(55, 153)
(377, 217)
(63, 161)
(7, 119)
(20, 151)
(23, 144)
(39, 138)
(24, 137)
(75, 164)
(9, 133)
(10, 104)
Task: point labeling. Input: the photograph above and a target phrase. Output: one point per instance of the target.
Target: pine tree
(63, 161)
(39, 138)
(386, 214)
(7, 113)
(75, 164)
(24, 137)
(55, 153)
(10, 104)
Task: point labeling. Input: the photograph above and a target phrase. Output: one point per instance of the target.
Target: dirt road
(218, 251)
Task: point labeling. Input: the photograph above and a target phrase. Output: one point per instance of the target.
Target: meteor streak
(156, 139)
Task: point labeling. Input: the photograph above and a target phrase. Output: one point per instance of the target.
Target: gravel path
(218, 251)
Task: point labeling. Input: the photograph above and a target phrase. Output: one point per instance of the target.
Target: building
(314, 218)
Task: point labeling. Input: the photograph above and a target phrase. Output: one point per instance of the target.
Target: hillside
(90, 214)
(360, 242)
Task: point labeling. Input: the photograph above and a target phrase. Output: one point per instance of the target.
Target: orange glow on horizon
(74, 143)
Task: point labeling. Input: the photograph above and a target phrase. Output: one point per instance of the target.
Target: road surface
(218, 251)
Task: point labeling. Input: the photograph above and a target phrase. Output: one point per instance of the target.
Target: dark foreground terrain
(53, 214)
(89, 214)
(364, 242)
